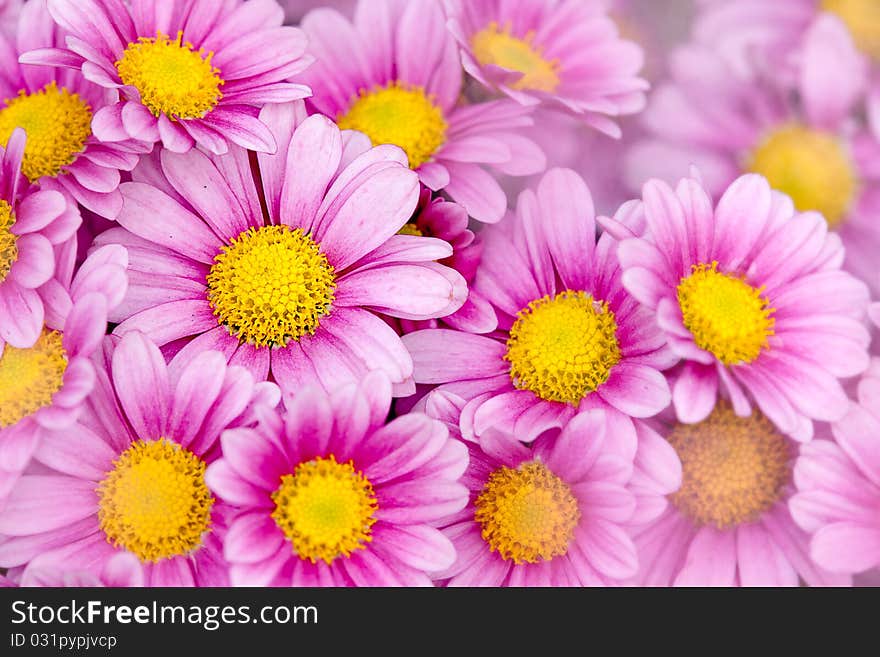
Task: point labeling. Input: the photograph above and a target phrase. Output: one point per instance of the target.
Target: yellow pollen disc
(8, 240)
(172, 78)
(499, 47)
(271, 285)
(29, 378)
(862, 17)
(528, 514)
(57, 124)
(812, 167)
(154, 503)
(727, 316)
(733, 468)
(563, 348)
(398, 114)
(411, 229)
(325, 509)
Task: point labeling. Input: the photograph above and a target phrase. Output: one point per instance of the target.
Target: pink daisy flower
(805, 138)
(838, 486)
(555, 513)
(122, 570)
(291, 292)
(130, 474)
(750, 295)
(436, 217)
(566, 53)
(55, 106)
(729, 523)
(569, 337)
(183, 72)
(395, 75)
(32, 222)
(43, 386)
(387, 485)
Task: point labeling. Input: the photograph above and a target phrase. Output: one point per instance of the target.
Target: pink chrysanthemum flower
(130, 474)
(122, 570)
(32, 223)
(43, 386)
(555, 513)
(186, 72)
(289, 291)
(806, 138)
(838, 486)
(729, 523)
(389, 483)
(436, 217)
(567, 53)
(569, 337)
(55, 106)
(750, 295)
(395, 75)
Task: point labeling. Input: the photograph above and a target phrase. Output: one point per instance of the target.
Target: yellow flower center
(811, 166)
(172, 78)
(499, 47)
(154, 502)
(528, 514)
(563, 348)
(8, 240)
(398, 114)
(29, 378)
(325, 509)
(733, 468)
(727, 316)
(411, 228)
(862, 17)
(57, 124)
(271, 285)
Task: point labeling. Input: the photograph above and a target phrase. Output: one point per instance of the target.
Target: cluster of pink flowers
(438, 293)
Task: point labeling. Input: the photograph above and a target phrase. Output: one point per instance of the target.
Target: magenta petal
(711, 560)
(567, 212)
(43, 503)
(312, 160)
(140, 377)
(262, 573)
(846, 547)
(86, 324)
(694, 392)
(252, 537)
(226, 483)
(78, 452)
(170, 321)
(257, 460)
(123, 570)
(611, 550)
(196, 391)
(477, 191)
(21, 315)
(636, 390)
(39, 210)
(760, 561)
(153, 215)
(175, 572)
(418, 546)
(441, 356)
